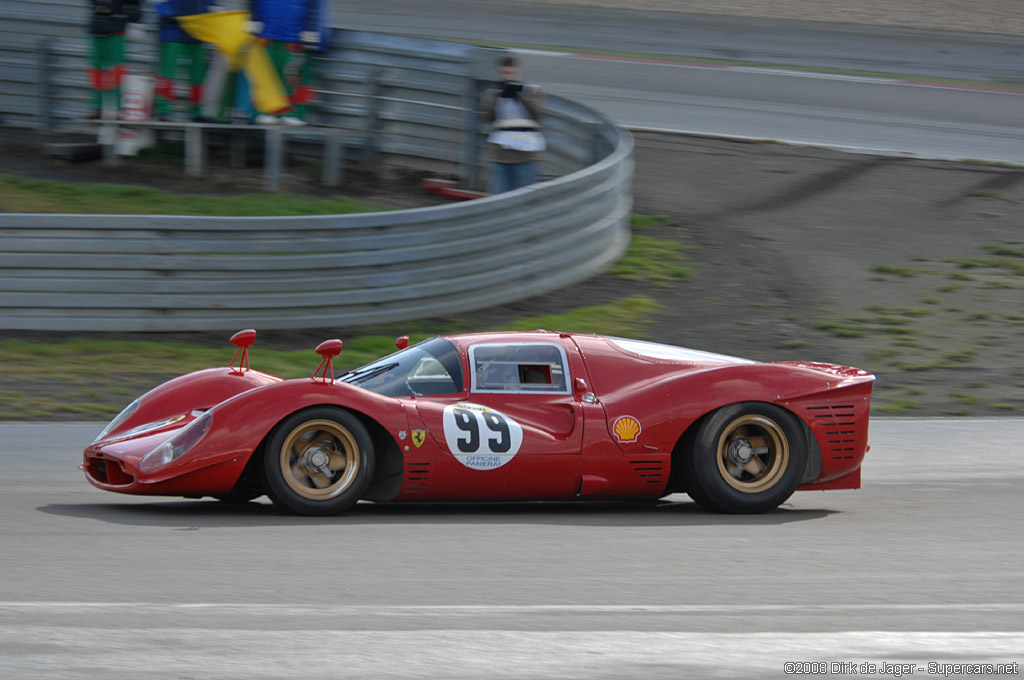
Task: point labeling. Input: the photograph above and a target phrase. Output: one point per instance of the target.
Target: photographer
(516, 140)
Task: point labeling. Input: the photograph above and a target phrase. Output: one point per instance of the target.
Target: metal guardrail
(403, 101)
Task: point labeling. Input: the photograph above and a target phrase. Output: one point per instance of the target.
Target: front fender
(242, 422)
(197, 391)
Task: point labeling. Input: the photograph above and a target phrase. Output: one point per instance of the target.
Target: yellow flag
(226, 31)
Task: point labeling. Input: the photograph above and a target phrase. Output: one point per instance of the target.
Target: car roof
(539, 335)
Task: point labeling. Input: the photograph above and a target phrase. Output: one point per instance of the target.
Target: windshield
(430, 367)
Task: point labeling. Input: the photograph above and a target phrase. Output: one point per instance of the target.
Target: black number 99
(466, 421)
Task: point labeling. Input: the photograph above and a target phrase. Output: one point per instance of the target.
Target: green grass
(992, 193)
(1013, 265)
(642, 222)
(838, 329)
(1003, 251)
(991, 164)
(660, 261)
(887, 313)
(624, 317)
(87, 378)
(22, 195)
(890, 270)
(967, 399)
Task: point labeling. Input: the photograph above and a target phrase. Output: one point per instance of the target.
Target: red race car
(495, 416)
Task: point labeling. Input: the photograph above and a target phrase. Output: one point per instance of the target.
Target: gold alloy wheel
(320, 459)
(753, 453)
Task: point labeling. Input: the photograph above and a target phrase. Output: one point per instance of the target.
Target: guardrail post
(273, 155)
(239, 144)
(44, 61)
(595, 142)
(108, 135)
(195, 163)
(470, 126)
(333, 158)
(370, 151)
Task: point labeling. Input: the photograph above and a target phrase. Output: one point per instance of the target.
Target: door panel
(531, 385)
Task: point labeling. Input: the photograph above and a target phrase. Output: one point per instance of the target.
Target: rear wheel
(318, 461)
(746, 458)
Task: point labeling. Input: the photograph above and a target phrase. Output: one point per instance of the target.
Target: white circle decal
(480, 437)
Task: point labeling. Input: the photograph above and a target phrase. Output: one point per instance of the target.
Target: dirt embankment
(911, 269)
(984, 16)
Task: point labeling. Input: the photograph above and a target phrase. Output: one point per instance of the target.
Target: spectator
(107, 65)
(176, 44)
(291, 28)
(516, 140)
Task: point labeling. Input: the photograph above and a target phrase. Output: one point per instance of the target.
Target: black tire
(318, 461)
(746, 458)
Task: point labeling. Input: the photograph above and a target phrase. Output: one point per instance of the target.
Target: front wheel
(746, 458)
(318, 461)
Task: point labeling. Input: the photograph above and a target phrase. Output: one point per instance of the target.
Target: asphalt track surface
(923, 565)
(909, 114)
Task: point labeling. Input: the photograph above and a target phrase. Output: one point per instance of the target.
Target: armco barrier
(402, 101)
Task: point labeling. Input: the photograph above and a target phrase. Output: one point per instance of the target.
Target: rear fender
(684, 448)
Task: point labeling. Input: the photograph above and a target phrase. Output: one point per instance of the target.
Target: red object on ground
(446, 188)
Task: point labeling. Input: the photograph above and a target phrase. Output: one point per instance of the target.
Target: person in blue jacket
(290, 29)
(177, 45)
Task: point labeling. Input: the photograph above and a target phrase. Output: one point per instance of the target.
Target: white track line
(446, 610)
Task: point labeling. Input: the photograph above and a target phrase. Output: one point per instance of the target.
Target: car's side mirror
(583, 392)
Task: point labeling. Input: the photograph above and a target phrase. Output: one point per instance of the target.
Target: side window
(519, 367)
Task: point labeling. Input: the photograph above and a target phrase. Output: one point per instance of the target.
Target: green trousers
(171, 56)
(299, 86)
(106, 70)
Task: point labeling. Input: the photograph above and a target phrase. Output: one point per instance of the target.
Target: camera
(510, 89)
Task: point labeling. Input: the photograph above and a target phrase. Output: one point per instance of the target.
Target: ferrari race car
(495, 416)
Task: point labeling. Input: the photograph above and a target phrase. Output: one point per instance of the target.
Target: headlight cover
(118, 420)
(174, 447)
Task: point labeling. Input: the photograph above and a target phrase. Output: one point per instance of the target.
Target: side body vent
(838, 423)
(417, 477)
(649, 471)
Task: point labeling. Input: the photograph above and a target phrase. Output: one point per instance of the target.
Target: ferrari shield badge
(626, 429)
(418, 437)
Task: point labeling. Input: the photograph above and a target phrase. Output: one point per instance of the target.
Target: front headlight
(118, 420)
(174, 447)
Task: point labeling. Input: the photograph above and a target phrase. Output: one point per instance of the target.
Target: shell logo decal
(626, 429)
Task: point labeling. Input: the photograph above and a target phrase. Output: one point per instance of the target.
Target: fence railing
(403, 101)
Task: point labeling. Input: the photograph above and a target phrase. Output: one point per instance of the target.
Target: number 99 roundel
(480, 437)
